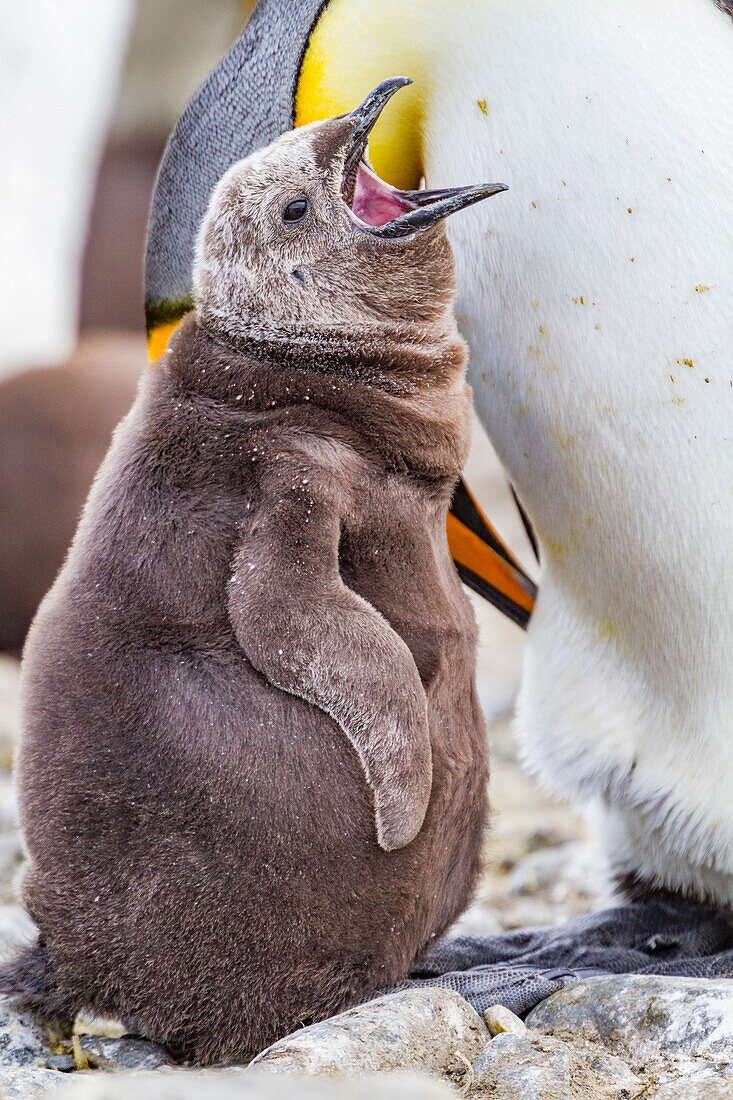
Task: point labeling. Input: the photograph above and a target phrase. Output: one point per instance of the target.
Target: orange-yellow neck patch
(158, 337)
(354, 45)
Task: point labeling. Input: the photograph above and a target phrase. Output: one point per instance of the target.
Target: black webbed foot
(712, 967)
(518, 988)
(663, 935)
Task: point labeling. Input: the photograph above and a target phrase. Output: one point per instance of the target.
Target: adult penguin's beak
(248, 100)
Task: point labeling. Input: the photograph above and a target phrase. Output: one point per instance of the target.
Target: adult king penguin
(596, 301)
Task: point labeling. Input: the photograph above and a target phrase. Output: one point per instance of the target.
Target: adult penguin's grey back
(243, 105)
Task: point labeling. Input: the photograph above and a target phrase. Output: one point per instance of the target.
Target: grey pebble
(125, 1053)
(418, 1029)
(519, 1068)
(19, 1083)
(645, 1018)
(500, 1019)
(539, 1067)
(23, 1041)
(707, 1088)
(575, 864)
(478, 920)
(8, 805)
(64, 1063)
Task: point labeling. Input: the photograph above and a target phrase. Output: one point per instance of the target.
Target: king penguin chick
(252, 770)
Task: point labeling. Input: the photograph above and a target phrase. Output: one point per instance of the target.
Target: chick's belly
(264, 813)
(416, 594)
(258, 778)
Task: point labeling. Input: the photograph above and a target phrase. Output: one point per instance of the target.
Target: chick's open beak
(383, 210)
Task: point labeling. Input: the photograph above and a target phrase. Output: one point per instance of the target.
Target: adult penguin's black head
(244, 104)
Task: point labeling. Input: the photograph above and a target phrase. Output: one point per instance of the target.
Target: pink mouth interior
(375, 202)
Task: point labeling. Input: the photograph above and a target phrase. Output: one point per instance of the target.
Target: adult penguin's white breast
(596, 301)
(596, 298)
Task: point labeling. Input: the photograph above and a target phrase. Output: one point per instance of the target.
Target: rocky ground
(610, 1038)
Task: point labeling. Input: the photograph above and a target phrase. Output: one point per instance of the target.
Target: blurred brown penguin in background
(252, 770)
(55, 426)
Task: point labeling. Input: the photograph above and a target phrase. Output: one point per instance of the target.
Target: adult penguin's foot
(664, 934)
(719, 965)
(518, 988)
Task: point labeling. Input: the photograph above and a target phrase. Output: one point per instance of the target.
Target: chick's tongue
(374, 202)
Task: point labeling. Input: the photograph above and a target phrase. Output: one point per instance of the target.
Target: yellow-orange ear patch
(159, 336)
(352, 48)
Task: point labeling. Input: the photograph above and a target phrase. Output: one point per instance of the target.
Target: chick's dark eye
(295, 211)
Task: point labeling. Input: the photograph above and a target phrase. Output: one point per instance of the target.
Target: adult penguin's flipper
(483, 561)
(245, 103)
(292, 64)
